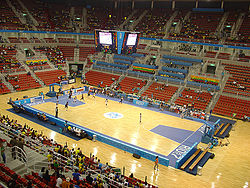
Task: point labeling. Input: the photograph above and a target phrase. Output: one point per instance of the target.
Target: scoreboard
(119, 42)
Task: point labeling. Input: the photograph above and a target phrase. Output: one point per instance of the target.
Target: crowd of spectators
(85, 170)
(54, 54)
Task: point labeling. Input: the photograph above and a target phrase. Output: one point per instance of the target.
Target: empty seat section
(160, 91)
(101, 79)
(131, 85)
(229, 105)
(49, 77)
(23, 82)
(198, 98)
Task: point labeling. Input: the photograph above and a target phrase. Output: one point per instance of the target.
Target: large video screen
(105, 38)
(131, 41)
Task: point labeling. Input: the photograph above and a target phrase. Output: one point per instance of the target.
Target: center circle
(113, 115)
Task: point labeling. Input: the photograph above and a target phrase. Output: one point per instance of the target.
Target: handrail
(17, 151)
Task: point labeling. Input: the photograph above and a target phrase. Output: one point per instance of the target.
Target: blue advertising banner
(120, 38)
(140, 103)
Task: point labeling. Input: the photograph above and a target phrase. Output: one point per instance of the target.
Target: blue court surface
(172, 133)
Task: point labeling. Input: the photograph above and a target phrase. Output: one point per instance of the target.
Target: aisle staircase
(138, 20)
(144, 88)
(18, 14)
(127, 20)
(35, 23)
(238, 24)
(221, 24)
(76, 54)
(169, 23)
(35, 160)
(8, 85)
(180, 23)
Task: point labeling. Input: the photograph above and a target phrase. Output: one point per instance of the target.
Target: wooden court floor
(229, 168)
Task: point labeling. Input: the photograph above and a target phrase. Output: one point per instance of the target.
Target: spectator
(2, 149)
(89, 179)
(46, 176)
(66, 183)
(13, 182)
(76, 175)
(29, 185)
(42, 171)
(59, 181)
(13, 142)
(20, 143)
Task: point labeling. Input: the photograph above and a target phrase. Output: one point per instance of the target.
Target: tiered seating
(223, 56)
(77, 14)
(152, 24)
(231, 20)
(6, 175)
(244, 58)
(210, 54)
(160, 91)
(89, 63)
(59, 17)
(50, 40)
(98, 17)
(8, 52)
(3, 88)
(68, 52)
(54, 54)
(238, 82)
(142, 46)
(14, 40)
(8, 19)
(85, 51)
(8, 62)
(49, 77)
(229, 105)
(101, 79)
(39, 11)
(23, 82)
(131, 85)
(199, 99)
(38, 64)
(87, 41)
(66, 40)
(35, 40)
(244, 30)
(24, 40)
(201, 25)
(105, 18)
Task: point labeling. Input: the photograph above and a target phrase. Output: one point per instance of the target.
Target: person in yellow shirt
(49, 156)
(56, 149)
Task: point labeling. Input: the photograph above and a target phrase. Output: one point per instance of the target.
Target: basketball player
(94, 95)
(56, 112)
(121, 100)
(156, 162)
(67, 105)
(75, 99)
(140, 117)
(82, 97)
(106, 102)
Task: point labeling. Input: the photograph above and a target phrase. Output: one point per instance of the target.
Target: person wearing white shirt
(59, 181)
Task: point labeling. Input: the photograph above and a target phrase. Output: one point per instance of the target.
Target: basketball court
(158, 132)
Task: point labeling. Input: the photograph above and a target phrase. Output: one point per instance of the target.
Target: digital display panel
(131, 41)
(105, 38)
